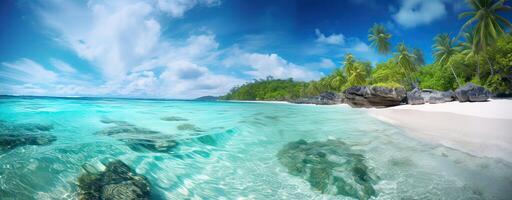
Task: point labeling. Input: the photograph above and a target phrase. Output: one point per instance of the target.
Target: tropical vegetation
(481, 53)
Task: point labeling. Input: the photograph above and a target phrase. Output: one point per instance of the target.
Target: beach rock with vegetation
(331, 167)
(472, 93)
(13, 135)
(117, 182)
(414, 97)
(374, 96)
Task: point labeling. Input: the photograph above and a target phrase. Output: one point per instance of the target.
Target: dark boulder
(374, 96)
(117, 182)
(414, 97)
(434, 96)
(325, 98)
(330, 167)
(472, 93)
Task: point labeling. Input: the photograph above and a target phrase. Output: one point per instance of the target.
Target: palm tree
(405, 60)
(418, 54)
(348, 63)
(470, 49)
(379, 38)
(443, 50)
(338, 80)
(489, 25)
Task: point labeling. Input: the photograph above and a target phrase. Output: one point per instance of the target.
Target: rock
(440, 97)
(472, 93)
(331, 167)
(374, 96)
(326, 98)
(173, 119)
(13, 135)
(12, 141)
(117, 182)
(189, 127)
(414, 97)
(143, 140)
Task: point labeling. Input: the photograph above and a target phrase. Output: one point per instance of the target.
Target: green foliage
(488, 25)
(388, 72)
(389, 84)
(269, 89)
(436, 77)
(501, 56)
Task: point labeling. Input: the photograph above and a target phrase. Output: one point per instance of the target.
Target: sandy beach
(481, 129)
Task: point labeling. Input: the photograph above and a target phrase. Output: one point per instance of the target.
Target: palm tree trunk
(478, 67)
(456, 79)
(490, 65)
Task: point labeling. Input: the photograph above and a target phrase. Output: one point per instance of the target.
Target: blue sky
(191, 48)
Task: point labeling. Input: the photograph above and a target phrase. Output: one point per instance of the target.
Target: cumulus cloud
(131, 57)
(335, 39)
(263, 65)
(414, 13)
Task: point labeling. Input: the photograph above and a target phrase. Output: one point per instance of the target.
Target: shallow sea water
(241, 162)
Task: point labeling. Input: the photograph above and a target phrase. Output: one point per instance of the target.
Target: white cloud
(336, 39)
(124, 43)
(323, 63)
(62, 66)
(264, 65)
(28, 71)
(413, 13)
(177, 8)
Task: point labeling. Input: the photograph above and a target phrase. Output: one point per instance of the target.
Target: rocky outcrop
(472, 93)
(373, 96)
(330, 167)
(434, 96)
(117, 182)
(414, 97)
(326, 98)
(13, 135)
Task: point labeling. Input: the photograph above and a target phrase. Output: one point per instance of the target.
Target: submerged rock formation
(331, 167)
(117, 182)
(137, 138)
(326, 98)
(373, 96)
(16, 135)
(173, 119)
(142, 140)
(472, 93)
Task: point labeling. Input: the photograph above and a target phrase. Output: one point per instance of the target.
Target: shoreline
(481, 129)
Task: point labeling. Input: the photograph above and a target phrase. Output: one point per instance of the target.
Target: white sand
(481, 129)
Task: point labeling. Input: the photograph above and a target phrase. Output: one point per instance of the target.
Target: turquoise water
(227, 150)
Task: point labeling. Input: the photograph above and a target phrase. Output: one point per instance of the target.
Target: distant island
(207, 98)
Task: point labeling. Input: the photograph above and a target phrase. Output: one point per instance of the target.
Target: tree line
(480, 53)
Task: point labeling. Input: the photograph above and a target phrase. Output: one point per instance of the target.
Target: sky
(189, 48)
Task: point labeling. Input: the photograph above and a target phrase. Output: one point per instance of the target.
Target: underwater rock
(117, 182)
(173, 119)
(137, 138)
(330, 167)
(11, 141)
(14, 135)
(189, 127)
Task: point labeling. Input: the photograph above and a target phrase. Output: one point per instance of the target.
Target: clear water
(243, 164)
